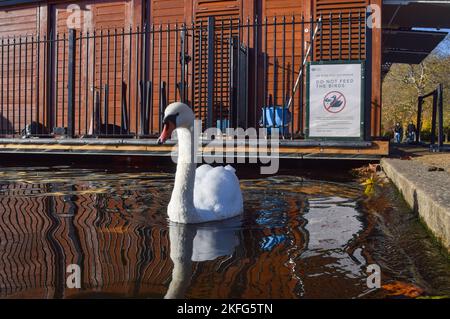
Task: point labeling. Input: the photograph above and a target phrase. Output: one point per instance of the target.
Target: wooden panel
(18, 68)
(226, 14)
(102, 16)
(283, 49)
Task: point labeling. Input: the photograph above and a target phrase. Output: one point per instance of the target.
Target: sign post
(335, 100)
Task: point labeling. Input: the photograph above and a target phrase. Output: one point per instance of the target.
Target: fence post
(433, 118)
(368, 79)
(440, 107)
(71, 85)
(211, 22)
(419, 118)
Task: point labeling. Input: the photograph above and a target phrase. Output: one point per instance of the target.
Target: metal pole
(71, 85)
(368, 80)
(419, 118)
(211, 22)
(440, 92)
(433, 119)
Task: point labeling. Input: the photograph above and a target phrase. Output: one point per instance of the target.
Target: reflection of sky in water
(333, 222)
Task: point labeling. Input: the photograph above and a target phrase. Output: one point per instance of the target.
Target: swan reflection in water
(196, 243)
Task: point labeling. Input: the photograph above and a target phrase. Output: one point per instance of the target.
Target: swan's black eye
(178, 114)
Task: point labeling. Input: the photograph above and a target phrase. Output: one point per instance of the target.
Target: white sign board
(335, 100)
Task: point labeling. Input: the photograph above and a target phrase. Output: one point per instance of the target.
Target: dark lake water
(298, 238)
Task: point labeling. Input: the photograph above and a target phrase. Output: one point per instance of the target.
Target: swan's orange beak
(168, 128)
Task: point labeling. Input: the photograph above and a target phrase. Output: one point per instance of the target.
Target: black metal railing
(116, 83)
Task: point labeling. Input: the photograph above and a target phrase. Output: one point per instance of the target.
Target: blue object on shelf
(222, 124)
(272, 118)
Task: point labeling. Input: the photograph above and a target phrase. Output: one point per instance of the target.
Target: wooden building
(131, 58)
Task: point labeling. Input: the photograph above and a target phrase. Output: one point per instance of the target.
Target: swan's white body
(200, 194)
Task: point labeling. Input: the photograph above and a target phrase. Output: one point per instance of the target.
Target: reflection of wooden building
(122, 251)
(129, 58)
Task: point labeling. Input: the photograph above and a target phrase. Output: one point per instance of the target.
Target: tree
(404, 83)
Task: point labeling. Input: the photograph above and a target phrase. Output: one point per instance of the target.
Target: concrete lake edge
(426, 192)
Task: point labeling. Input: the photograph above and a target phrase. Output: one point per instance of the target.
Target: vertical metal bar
(64, 81)
(106, 107)
(20, 85)
(123, 88)
(359, 35)
(176, 61)
(247, 72)
(14, 89)
(321, 39)
(311, 37)
(193, 75)
(48, 64)
(100, 80)
(115, 82)
(368, 81)
(71, 84)
(130, 50)
(138, 103)
(330, 25)
(168, 62)
(150, 89)
(275, 82)
(56, 79)
(200, 70)
(160, 114)
(433, 119)
(230, 74)
(7, 87)
(95, 101)
(183, 62)
(256, 67)
(80, 50)
(26, 81)
(86, 84)
(283, 82)
(440, 109)
(38, 72)
(302, 54)
(238, 80)
(350, 35)
(265, 74)
(340, 35)
(2, 87)
(419, 118)
(211, 63)
(292, 75)
(31, 78)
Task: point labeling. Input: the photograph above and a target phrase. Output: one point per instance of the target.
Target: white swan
(203, 194)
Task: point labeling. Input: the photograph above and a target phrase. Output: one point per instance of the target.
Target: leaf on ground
(398, 288)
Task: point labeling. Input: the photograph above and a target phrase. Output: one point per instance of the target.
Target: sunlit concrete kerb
(425, 192)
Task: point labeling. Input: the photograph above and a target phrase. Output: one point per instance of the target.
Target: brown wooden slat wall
(281, 76)
(347, 8)
(226, 13)
(106, 15)
(165, 14)
(18, 22)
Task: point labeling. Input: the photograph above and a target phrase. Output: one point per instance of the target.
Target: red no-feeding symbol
(334, 102)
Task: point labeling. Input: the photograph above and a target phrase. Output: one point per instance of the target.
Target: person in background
(411, 132)
(398, 133)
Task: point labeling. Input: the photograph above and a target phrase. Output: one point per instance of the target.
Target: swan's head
(176, 115)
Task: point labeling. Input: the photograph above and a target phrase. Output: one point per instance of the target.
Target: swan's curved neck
(182, 201)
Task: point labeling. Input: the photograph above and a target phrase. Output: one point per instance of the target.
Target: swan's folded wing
(218, 191)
